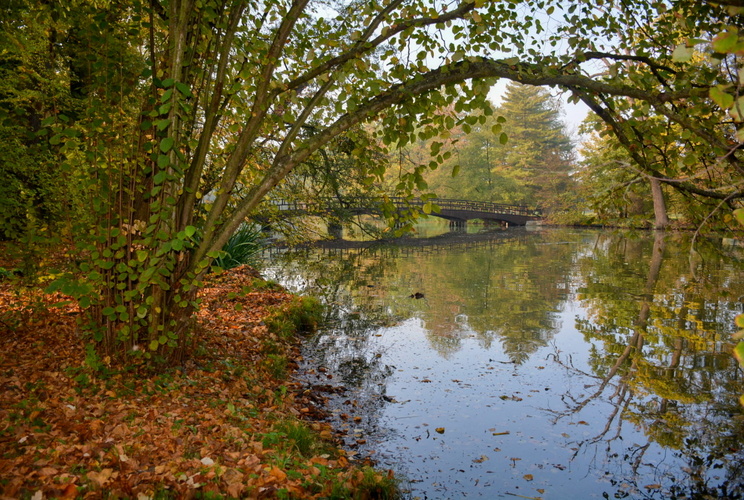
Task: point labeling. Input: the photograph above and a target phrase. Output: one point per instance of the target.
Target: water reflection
(551, 364)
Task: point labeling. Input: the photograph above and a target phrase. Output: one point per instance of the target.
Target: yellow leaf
(528, 477)
(440, 430)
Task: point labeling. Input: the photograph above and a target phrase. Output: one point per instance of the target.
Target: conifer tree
(538, 152)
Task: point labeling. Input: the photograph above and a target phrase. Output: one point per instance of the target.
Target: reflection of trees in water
(658, 357)
(504, 288)
(663, 365)
(508, 291)
(348, 283)
(513, 302)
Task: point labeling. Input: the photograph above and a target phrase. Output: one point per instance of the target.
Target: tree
(32, 200)
(187, 113)
(518, 155)
(537, 151)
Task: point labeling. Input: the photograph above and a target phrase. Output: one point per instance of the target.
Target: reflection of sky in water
(499, 435)
(465, 420)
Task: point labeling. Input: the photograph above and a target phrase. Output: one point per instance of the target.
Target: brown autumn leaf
(102, 477)
(133, 431)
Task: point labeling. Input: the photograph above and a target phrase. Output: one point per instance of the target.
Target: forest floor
(230, 422)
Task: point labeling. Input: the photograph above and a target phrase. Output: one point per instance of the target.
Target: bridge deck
(453, 210)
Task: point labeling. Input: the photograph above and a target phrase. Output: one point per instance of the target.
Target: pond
(547, 363)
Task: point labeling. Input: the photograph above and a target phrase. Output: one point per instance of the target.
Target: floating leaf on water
(528, 477)
(481, 459)
(652, 486)
(440, 430)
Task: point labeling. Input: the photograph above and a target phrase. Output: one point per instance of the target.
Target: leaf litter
(73, 425)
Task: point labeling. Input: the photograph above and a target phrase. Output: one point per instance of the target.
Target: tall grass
(242, 248)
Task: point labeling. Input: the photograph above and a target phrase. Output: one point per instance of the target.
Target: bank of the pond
(230, 422)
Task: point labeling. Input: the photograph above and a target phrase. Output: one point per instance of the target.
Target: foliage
(739, 348)
(538, 153)
(170, 120)
(517, 153)
(608, 186)
(241, 248)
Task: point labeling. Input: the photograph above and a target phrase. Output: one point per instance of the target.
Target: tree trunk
(661, 220)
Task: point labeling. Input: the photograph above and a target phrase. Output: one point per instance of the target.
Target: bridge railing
(321, 205)
(473, 206)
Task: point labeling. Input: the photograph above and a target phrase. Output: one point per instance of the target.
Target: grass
(241, 248)
(298, 315)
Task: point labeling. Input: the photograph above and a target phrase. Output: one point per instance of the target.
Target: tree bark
(661, 220)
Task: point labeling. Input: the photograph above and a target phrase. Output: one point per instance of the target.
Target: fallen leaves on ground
(214, 425)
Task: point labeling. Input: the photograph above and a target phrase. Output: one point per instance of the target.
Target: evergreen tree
(520, 155)
(538, 152)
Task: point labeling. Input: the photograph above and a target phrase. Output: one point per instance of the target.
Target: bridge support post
(458, 225)
(335, 231)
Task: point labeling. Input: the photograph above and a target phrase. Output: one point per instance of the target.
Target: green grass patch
(299, 315)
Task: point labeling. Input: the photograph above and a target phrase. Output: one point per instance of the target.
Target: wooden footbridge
(458, 212)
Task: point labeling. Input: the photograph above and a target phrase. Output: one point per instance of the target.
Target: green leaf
(739, 214)
(739, 353)
(503, 138)
(166, 144)
(721, 97)
(162, 124)
(682, 53)
(190, 231)
(163, 161)
(160, 177)
(726, 41)
(183, 89)
(166, 96)
(739, 320)
(154, 344)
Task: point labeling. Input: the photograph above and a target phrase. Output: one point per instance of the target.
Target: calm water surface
(533, 364)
